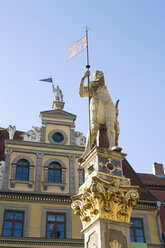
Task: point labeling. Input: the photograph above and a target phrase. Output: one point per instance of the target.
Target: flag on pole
(49, 80)
(78, 47)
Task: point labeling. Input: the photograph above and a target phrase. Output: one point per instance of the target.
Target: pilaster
(6, 168)
(72, 135)
(43, 131)
(38, 172)
(72, 175)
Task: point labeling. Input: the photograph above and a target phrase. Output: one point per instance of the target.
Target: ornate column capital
(105, 200)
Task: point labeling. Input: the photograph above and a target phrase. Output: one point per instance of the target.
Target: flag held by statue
(78, 47)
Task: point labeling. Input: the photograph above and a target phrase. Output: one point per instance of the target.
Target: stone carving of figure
(80, 140)
(2, 164)
(32, 135)
(58, 93)
(102, 109)
(11, 130)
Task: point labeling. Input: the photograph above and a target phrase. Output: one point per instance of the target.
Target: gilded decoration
(111, 201)
(115, 244)
(110, 166)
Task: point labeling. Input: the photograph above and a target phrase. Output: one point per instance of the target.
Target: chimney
(158, 169)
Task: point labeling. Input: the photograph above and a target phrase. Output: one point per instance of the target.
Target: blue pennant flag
(49, 80)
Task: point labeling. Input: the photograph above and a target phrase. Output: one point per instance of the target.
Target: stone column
(6, 169)
(38, 172)
(43, 131)
(71, 175)
(105, 200)
(72, 135)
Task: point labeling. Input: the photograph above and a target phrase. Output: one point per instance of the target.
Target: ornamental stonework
(105, 200)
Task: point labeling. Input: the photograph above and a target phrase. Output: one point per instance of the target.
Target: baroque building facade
(41, 173)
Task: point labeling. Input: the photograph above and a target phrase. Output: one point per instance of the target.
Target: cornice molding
(45, 145)
(30, 197)
(42, 241)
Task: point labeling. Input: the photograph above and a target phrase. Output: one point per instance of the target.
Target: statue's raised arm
(83, 90)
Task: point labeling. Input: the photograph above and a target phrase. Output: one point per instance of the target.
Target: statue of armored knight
(102, 110)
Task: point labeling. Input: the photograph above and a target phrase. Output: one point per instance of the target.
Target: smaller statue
(2, 164)
(32, 135)
(11, 130)
(58, 93)
(80, 140)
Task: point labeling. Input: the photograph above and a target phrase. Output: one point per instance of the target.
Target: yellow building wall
(76, 227)
(36, 216)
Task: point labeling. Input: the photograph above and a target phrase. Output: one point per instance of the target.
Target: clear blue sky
(126, 42)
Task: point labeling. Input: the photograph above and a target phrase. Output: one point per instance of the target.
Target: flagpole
(88, 66)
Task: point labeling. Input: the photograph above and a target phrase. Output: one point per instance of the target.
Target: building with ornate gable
(40, 175)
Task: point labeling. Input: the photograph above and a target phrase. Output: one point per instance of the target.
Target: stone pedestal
(105, 234)
(105, 200)
(58, 105)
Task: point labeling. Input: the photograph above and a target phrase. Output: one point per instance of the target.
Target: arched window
(22, 171)
(54, 173)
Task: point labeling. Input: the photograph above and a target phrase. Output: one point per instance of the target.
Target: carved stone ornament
(32, 135)
(80, 140)
(105, 200)
(115, 244)
(92, 240)
(11, 130)
(2, 165)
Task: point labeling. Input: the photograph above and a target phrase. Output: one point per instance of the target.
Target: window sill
(46, 184)
(13, 182)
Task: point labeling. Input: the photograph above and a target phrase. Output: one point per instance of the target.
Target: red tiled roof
(145, 193)
(150, 179)
(5, 135)
(159, 194)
